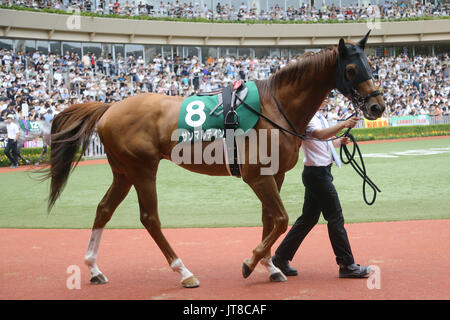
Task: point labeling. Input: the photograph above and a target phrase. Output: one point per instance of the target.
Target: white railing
(95, 148)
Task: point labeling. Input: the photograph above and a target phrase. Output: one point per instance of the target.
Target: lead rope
(350, 156)
(361, 170)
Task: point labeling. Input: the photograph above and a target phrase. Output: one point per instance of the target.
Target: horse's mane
(309, 62)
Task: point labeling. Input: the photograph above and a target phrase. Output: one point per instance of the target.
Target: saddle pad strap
(226, 105)
(228, 112)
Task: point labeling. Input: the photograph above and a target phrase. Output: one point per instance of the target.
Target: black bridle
(354, 54)
(360, 103)
(361, 170)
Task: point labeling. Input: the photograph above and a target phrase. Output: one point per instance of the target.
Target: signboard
(411, 120)
(381, 122)
(37, 143)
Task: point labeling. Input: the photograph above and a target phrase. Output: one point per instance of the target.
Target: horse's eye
(350, 71)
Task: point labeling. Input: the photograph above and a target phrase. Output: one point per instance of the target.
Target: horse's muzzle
(374, 110)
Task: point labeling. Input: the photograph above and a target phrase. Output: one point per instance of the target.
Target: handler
(13, 135)
(321, 196)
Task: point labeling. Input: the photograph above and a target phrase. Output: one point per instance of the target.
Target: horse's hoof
(99, 279)
(191, 282)
(246, 271)
(278, 277)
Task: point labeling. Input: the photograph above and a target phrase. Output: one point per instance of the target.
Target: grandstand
(109, 50)
(110, 59)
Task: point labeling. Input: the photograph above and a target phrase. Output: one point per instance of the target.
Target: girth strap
(231, 122)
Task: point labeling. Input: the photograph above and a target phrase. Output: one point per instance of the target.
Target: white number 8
(197, 111)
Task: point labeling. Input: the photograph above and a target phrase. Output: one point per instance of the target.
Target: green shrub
(30, 154)
(361, 134)
(364, 134)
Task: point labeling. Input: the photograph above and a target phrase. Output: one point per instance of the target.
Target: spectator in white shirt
(13, 133)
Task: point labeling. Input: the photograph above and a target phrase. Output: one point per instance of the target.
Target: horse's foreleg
(44, 151)
(266, 217)
(274, 216)
(275, 274)
(113, 197)
(146, 190)
(19, 154)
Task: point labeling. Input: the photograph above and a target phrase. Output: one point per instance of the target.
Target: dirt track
(413, 257)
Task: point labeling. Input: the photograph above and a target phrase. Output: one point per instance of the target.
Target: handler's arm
(329, 132)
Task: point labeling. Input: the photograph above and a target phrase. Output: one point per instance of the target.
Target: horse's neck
(300, 95)
(44, 127)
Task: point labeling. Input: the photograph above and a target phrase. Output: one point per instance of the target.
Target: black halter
(354, 54)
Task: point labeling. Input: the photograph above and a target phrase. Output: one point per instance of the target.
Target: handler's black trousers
(11, 146)
(320, 196)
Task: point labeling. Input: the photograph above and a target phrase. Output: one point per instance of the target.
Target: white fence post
(95, 148)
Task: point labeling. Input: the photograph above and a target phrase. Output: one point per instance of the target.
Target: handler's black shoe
(284, 266)
(354, 271)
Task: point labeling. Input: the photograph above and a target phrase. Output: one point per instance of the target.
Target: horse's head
(354, 79)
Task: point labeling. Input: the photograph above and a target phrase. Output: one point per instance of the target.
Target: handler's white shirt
(12, 130)
(316, 152)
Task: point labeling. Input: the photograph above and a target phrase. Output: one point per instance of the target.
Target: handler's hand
(344, 140)
(351, 123)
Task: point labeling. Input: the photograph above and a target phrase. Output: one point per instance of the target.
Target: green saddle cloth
(195, 121)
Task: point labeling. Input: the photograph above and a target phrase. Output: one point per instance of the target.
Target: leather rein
(358, 102)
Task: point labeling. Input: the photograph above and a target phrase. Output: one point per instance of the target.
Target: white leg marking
(267, 263)
(91, 254)
(179, 267)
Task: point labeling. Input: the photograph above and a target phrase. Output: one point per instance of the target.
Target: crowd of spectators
(227, 11)
(36, 85)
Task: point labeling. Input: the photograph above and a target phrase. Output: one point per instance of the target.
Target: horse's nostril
(374, 108)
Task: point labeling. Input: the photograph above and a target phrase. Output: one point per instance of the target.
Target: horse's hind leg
(113, 197)
(146, 190)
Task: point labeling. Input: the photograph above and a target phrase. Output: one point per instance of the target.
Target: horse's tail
(71, 129)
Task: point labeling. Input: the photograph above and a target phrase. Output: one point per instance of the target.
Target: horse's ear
(341, 47)
(362, 42)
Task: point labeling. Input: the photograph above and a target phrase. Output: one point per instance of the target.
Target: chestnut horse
(137, 133)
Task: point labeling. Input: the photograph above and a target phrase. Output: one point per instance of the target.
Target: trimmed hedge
(31, 154)
(146, 17)
(361, 134)
(365, 134)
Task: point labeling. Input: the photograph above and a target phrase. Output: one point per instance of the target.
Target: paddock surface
(412, 257)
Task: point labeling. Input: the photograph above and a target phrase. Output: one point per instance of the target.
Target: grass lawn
(414, 185)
